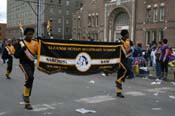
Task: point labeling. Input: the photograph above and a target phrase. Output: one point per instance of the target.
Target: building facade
(58, 12)
(146, 20)
(19, 12)
(88, 21)
(2, 31)
(103, 20)
(155, 20)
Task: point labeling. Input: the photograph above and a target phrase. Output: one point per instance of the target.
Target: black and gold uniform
(123, 68)
(7, 54)
(26, 50)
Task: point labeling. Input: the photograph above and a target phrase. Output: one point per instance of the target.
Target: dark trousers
(28, 70)
(9, 65)
(129, 68)
(122, 73)
(164, 66)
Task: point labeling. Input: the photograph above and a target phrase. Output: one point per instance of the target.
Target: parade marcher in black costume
(123, 68)
(26, 50)
(7, 55)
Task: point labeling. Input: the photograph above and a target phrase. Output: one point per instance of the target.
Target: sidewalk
(170, 73)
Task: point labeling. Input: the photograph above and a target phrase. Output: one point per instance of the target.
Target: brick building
(2, 31)
(103, 20)
(155, 19)
(146, 20)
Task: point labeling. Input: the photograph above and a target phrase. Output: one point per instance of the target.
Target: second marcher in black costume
(7, 54)
(26, 50)
(123, 67)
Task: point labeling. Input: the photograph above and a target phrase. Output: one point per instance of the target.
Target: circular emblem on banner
(82, 62)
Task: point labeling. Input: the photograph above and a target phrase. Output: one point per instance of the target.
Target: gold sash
(32, 48)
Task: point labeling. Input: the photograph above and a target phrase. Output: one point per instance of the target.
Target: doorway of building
(118, 20)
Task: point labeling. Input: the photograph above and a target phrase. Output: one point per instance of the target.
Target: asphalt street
(62, 94)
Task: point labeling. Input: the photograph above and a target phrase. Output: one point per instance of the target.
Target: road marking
(42, 107)
(135, 93)
(2, 113)
(21, 103)
(160, 90)
(172, 97)
(48, 113)
(96, 99)
(157, 109)
(56, 104)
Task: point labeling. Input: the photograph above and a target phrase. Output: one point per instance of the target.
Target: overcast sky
(3, 11)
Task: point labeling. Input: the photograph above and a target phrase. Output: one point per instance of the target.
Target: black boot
(26, 99)
(120, 95)
(28, 107)
(162, 75)
(7, 76)
(165, 76)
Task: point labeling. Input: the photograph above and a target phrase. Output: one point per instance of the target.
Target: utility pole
(39, 18)
(63, 27)
(133, 2)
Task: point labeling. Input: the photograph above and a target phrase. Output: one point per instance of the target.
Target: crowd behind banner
(158, 55)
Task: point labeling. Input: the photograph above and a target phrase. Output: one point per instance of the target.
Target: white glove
(21, 44)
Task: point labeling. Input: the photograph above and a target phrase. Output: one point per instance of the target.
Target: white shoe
(157, 80)
(103, 74)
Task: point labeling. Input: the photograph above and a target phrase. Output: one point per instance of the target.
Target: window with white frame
(67, 21)
(59, 11)
(78, 22)
(161, 34)
(154, 34)
(67, 3)
(148, 14)
(155, 14)
(67, 12)
(93, 20)
(97, 20)
(89, 21)
(148, 37)
(59, 20)
(162, 13)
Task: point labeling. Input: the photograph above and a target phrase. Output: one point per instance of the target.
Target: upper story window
(67, 3)
(89, 20)
(67, 12)
(59, 2)
(97, 19)
(155, 13)
(59, 11)
(148, 14)
(79, 22)
(59, 20)
(162, 12)
(67, 21)
(148, 37)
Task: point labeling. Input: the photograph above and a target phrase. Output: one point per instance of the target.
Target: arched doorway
(119, 19)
